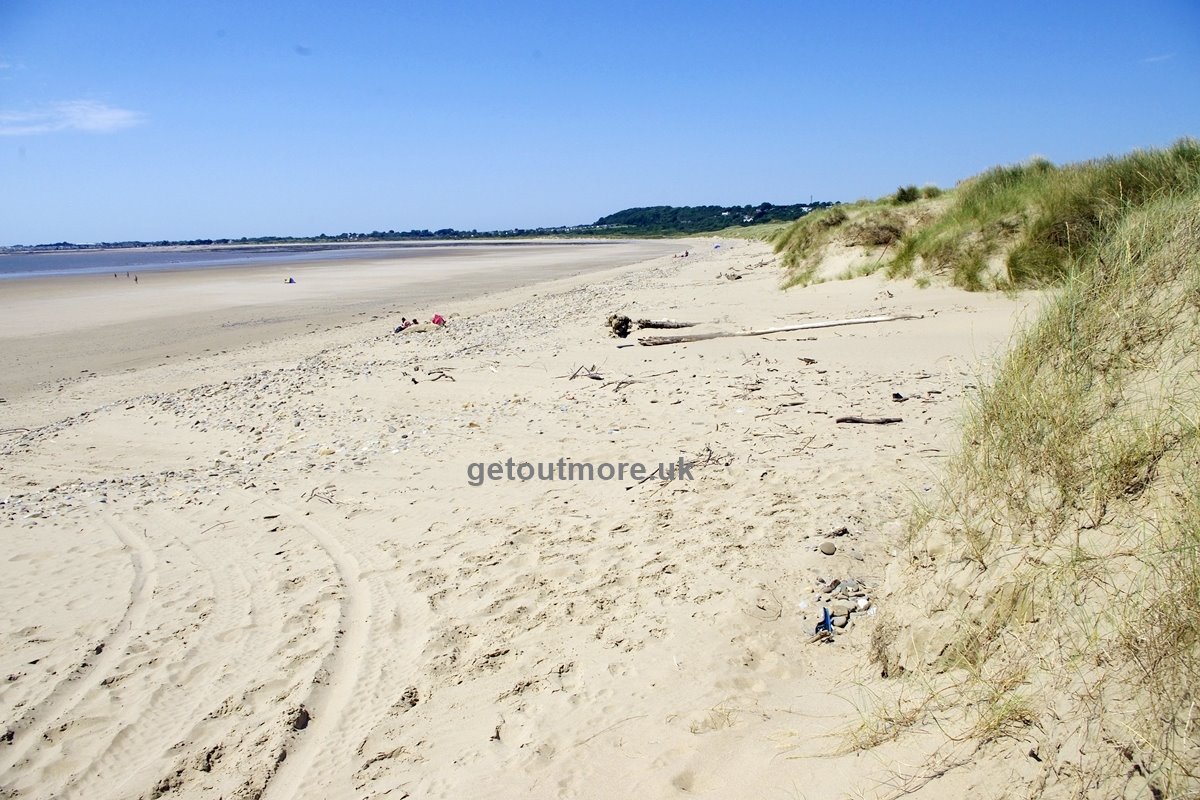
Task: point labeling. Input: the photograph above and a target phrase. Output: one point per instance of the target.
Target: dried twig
(319, 496)
(587, 372)
(708, 456)
(871, 420)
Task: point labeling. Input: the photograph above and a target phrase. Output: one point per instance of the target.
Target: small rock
(828, 548)
(842, 608)
(300, 719)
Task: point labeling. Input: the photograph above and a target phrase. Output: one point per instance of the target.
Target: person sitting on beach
(404, 323)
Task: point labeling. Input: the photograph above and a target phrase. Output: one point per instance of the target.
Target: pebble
(828, 548)
(841, 608)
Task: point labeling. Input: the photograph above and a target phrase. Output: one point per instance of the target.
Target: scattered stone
(842, 608)
(300, 719)
(828, 548)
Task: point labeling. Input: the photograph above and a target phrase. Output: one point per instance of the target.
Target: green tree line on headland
(672, 220)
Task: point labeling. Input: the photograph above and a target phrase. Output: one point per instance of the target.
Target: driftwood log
(664, 323)
(621, 325)
(651, 341)
(871, 420)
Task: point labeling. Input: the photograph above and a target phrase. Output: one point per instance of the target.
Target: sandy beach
(244, 556)
(59, 327)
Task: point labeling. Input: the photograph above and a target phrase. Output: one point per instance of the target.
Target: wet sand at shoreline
(57, 328)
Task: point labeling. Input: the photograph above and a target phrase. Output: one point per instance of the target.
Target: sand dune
(264, 572)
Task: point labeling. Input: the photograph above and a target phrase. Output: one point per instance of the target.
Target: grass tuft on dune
(1016, 226)
(872, 228)
(1052, 590)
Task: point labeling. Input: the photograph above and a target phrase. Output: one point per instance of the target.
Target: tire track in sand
(327, 703)
(31, 727)
(197, 683)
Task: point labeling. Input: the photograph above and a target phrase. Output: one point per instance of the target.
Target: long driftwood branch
(871, 420)
(651, 341)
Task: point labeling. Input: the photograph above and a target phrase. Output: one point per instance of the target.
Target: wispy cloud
(88, 116)
(1158, 59)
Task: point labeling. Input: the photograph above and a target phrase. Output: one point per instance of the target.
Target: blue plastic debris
(826, 623)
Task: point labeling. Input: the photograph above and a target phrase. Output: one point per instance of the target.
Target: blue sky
(167, 120)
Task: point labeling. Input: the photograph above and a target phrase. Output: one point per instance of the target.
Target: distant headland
(646, 221)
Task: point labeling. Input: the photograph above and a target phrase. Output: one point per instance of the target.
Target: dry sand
(264, 572)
